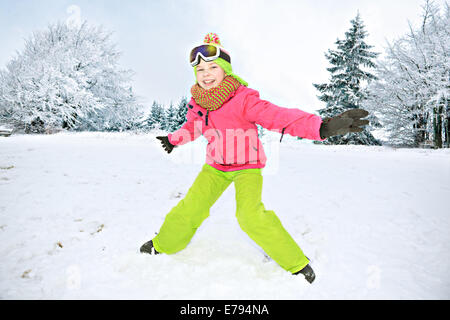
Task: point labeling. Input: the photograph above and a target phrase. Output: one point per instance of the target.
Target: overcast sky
(277, 46)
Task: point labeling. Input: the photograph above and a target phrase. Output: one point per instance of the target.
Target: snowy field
(75, 208)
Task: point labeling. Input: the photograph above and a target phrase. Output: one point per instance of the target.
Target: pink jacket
(231, 131)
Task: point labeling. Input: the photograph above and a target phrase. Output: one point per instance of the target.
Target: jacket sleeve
(188, 132)
(295, 122)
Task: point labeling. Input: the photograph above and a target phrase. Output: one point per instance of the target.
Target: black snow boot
(148, 248)
(308, 272)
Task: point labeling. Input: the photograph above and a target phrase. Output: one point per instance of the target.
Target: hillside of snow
(76, 207)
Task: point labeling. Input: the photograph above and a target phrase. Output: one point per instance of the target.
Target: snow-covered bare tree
(412, 94)
(68, 77)
(350, 64)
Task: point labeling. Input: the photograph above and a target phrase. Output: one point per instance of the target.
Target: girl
(225, 111)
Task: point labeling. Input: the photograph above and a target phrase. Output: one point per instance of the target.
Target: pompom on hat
(213, 39)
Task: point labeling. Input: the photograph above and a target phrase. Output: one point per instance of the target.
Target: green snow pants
(261, 225)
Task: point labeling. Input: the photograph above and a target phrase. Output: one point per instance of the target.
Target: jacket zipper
(212, 124)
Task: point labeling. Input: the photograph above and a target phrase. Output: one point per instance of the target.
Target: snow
(5, 129)
(75, 208)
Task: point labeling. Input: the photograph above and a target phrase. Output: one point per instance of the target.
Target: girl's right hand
(166, 144)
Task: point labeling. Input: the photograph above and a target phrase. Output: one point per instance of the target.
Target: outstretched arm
(302, 124)
(295, 122)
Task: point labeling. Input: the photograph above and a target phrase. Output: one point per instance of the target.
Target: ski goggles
(208, 53)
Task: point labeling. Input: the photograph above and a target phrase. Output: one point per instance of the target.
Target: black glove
(349, 121)
(166, 144)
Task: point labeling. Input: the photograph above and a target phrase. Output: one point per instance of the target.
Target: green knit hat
(213, 38)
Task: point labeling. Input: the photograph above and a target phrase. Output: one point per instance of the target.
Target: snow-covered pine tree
(349, 76)
(169, 123)
(412, 93)
(180, 114)
(157, 117)
(261, 131)
(67, 77)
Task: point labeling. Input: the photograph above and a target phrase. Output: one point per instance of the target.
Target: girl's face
(209, 74)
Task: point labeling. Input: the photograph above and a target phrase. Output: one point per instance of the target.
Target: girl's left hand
(349, 121)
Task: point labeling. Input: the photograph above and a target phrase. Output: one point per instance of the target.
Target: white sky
(156, 36)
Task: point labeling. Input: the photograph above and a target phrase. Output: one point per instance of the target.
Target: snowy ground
(75, 208)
